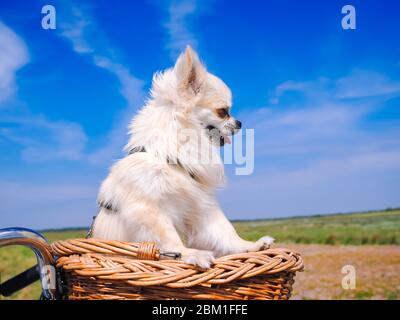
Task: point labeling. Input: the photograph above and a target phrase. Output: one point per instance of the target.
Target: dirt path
(377, 271)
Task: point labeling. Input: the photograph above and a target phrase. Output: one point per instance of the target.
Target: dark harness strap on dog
(137, 149)
(178, 163)
(108, 206)
(89, 234)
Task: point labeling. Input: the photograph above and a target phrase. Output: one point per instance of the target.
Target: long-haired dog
(163, 190)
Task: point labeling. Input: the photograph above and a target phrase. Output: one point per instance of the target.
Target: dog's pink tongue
(227, 140)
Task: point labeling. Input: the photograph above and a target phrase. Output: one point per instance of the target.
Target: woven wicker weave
(100, 269)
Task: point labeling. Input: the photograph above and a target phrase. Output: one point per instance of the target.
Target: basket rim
(124, 262)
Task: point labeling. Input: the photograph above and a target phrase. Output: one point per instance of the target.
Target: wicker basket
(100, 269)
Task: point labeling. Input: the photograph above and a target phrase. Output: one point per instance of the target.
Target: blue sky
(324, 102)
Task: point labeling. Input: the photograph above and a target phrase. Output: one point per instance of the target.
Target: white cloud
(131, 86)
(43, 140)
(75, 30)
(13, 56)
(365, 84)
(66, 201)
(355, 182)
(329, 117)
(359, 84)
(178, 23)
(302, 130)
(179, 35)
(86, 38)
(313, 155)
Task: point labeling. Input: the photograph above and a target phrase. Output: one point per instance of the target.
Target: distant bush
(394, 240)
(366, 240)
(303, 239)
(331, 239)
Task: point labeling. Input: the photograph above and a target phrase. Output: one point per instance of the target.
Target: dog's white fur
(166, 194)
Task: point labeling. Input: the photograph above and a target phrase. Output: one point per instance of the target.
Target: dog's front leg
(173, 244)
(216, 233)
(151, 225)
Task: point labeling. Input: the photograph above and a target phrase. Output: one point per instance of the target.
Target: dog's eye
(223, 112)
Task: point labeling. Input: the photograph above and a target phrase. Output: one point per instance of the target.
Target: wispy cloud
(359, 84)
(178, 23)
(29, 202)
(43, 140)
(13, 56)
(76, 31)
(38, 205)
(315, 148)
(325, 114)
(351, 183)
(366, 84)
(86, 37)
(179, 34)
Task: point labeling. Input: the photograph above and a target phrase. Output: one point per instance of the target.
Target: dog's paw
(265, 242)
(200, 258)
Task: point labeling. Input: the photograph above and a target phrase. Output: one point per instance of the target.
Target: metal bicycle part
(45, 260)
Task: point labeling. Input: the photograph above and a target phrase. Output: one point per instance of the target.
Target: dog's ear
(190, 73)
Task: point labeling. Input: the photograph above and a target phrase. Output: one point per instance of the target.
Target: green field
(380, 228)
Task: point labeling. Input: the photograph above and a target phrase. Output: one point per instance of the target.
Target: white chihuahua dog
(163, 190)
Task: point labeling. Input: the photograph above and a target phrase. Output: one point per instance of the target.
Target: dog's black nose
(238, 124)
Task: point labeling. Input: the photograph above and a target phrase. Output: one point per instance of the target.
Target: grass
(15, 259)
(364, 295)
(393, 295)
(379, 228)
